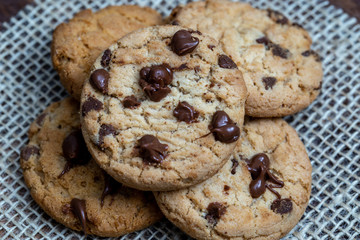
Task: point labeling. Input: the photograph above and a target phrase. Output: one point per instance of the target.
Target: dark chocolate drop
(269, 82)
(111, 186)
(215, 211)
(105, 59)
(106, 129)
(226, 62)
(183, 43)
(223, 128)
(99, 79)
(185, 112)
(78, 207)
(131, 102)
(282, 206)
(151, 150)
(91, 104)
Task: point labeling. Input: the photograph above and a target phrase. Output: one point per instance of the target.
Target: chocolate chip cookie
(77, 44)
(282, 74)
(165, 111)
(70, 187)
(260, 193)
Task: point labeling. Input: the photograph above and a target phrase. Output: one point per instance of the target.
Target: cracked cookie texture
(222, 207)
(282, 74)
(77, 44)
(123, 209)
(112, 131)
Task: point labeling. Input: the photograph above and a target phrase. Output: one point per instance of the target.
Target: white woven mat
(330, 127)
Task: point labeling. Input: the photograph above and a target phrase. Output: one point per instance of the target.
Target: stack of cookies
(176, 117)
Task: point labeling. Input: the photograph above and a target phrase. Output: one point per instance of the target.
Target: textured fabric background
(330, 127)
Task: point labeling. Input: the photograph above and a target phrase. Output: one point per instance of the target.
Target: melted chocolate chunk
(215, 211)
(223, 128)
(151, 150)
(105, 59)
(312, 52)
(131, 102)
(99, 79)
(91, 104)
(235, 164)
(282, 206)
(260, 173)
(211, 47)
(154, 81)
(226, 62)
(40, 119)
(185, 112)
(28, 151)
(111, 186)
(78, 207)
(183, 43)
(106, 129)
(74, 151)
(269, 82)
(277, 17)
(277, 50)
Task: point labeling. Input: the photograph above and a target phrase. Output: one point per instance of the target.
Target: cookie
(166, 111)
(68, 184)
(77, 44)
(260, 193)
(282, 74)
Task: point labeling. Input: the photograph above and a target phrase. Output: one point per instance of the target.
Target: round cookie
(282, 74)
(146, 115)
(70, 187)
(78, 43)
(235, 203)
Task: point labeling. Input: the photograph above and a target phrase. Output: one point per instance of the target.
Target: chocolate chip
(111, 186)
(78, 207)
(215, 211)
(312, 52)
(182, 42)
(74, 148)
(154, 81)
(151, 150)
(105, 59)
(106, 129)
(175, 23)
(277, 17)
(226, 62)
(211, 47)
(185, 112)
(28, 151)
(74, 151)
(91, 104)
(223, 128)
(277, 50)
(269, 82)
(235, 163)
(258, 167)
(282, 206)
(40, 119)
(131, 102)
(99, 79)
